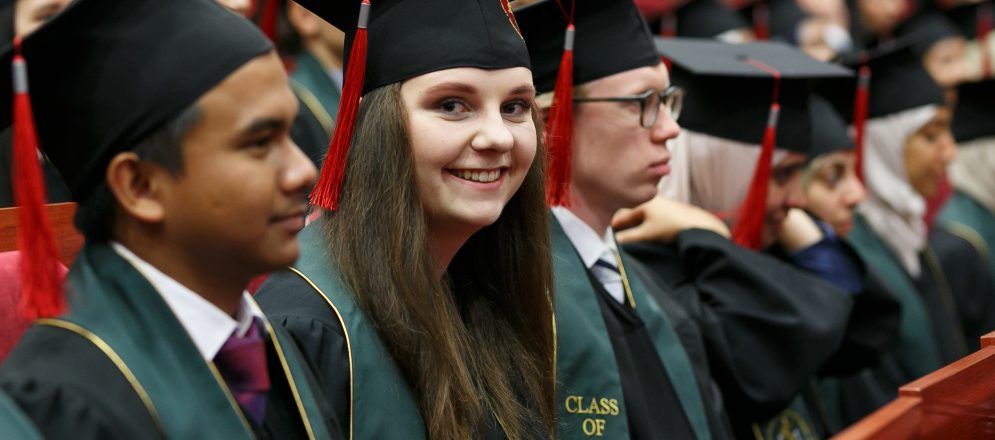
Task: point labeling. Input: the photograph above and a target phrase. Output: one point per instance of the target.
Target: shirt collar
(589, 245)
(208, 326)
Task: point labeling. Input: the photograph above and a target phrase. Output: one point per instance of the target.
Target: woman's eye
(517, 108)
(453, 106)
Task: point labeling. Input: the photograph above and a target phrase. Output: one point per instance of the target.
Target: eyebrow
(523, 90)
(452, 87)
(262, 125)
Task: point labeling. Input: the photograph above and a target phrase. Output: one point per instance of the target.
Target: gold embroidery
(348, 344)
(115, 359)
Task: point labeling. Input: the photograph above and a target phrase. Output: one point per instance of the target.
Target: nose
(855, 192)
(492, 134)
(299, 173)
(665, 128)
(948, 148)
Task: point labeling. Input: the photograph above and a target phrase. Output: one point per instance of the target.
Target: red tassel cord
(329, 186)
(559, 130)
(860, 103)
(761, 21)
(748, 230)
(267, 22)
(41, 292)
(985, 22)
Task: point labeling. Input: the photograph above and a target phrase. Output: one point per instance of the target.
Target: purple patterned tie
(242, 363)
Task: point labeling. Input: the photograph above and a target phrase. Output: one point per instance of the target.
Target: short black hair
(164, 147)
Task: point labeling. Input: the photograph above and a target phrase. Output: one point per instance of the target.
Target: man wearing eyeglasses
(630, 363)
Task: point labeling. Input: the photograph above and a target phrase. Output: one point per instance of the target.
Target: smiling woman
(423, 297)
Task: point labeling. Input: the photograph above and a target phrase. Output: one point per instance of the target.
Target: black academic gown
(71, 390)
(650, 398)
(768, 327)
(290, 301)
(965, 274)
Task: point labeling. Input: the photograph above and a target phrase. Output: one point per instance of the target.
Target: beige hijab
(973, 171)
(893, 209)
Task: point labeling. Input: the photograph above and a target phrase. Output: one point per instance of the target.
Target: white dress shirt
(208, 326)
(592, 248)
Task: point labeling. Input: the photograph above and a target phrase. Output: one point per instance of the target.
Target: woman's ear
(136, 187)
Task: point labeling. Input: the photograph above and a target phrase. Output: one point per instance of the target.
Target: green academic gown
(768, 327)
(964, 216)
(14, 424)
(636, 369)
(120, 365)
(364, 385)
(316, 89)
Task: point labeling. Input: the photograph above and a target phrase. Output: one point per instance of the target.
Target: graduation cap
(696, 19)
(389, 41)
(755, 93)
(574, 44)
(973, 113)
(929, 27)
(976, 21)
(829, 130)
(110, 73)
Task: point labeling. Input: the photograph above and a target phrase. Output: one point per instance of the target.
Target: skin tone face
(31, 14)
(834, 191)
(881, 16)
(240, 7)
(235, 209)
(928, 152)
(616, 162)
(784, 192)
(945, 61)
(473, 140)
(321, 39)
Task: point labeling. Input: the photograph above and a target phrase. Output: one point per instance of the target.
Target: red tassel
(267, 22)
(748, 231)
(41, 293)
(985, 21)
(326, 191)
(761, 21)
(860, 117)
(559, 131)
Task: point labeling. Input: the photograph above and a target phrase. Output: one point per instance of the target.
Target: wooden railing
(68, 240)
(954, 402)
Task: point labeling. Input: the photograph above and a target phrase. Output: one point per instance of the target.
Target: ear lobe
(136, 186)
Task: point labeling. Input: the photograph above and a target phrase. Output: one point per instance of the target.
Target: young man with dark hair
(189, 186)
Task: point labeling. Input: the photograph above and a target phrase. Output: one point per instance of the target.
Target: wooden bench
(68, 240)
(954, 402)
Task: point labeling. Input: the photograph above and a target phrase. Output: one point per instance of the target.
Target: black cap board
(899, 81)
(701, 19)
(6, 21)
(970, 18)
(729, 95)
(973, 115)
(106, 73)
(829, 130)
(782, 16)
(929, 27)
(408, 38)
(611, 37)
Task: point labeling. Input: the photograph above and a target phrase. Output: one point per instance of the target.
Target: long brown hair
(478, 342)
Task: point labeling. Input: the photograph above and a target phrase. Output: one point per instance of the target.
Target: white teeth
(478, 176)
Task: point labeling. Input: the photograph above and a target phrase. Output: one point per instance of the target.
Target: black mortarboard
(755, 93)
(107, 73)
(408, 38)
(729, 94)
(7, 21)
(829, 130)
(772, 19)
(973, 20)
(898, 79)
(698, 19)
(393, 40)
(929, 27)
(611, 37)
(973, 114)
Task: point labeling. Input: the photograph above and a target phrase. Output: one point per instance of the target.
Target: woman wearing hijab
(422, 294)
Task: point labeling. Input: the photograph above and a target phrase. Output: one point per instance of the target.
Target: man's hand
(661, 219)
(798, 231)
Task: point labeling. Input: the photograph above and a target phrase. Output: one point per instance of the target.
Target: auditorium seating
(954, 402)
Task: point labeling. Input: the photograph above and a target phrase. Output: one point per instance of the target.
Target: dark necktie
(242, 364)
